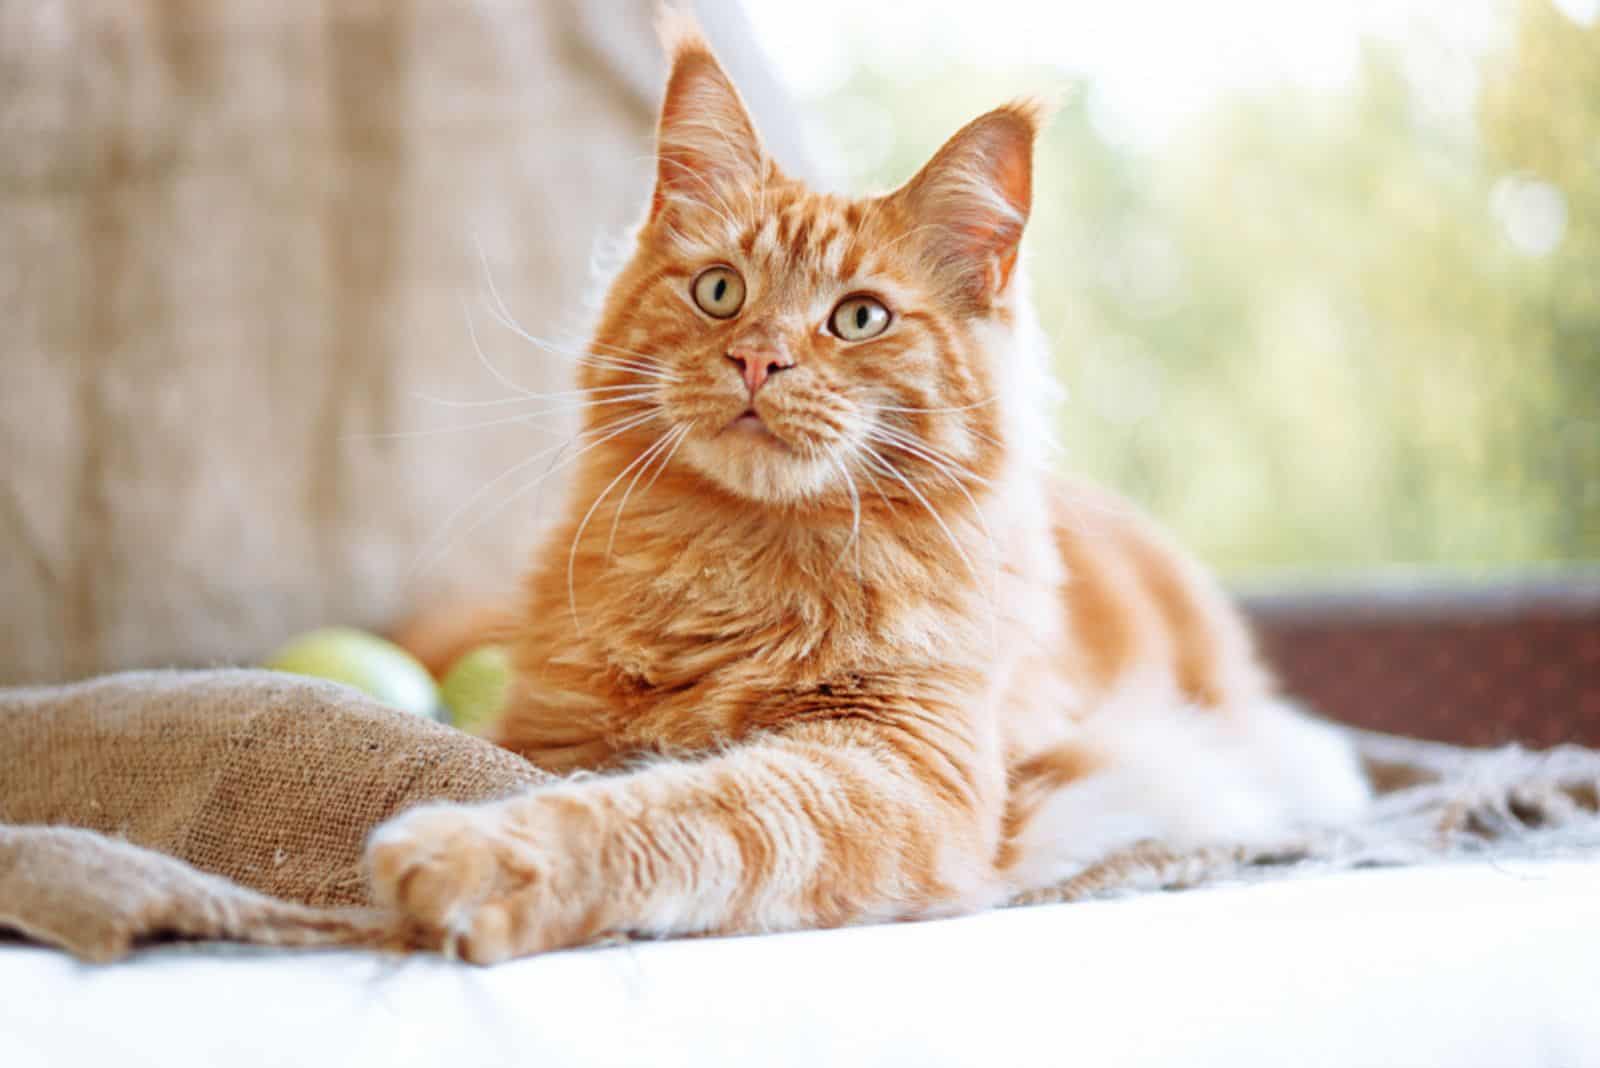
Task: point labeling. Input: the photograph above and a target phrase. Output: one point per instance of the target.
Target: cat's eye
(719, 292)
(858, 318)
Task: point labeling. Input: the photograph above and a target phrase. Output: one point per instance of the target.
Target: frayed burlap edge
(1436, 803)
(98, 899)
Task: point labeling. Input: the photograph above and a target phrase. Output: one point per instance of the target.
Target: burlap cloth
(234, 804)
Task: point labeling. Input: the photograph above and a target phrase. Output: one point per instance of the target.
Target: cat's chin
(750, 423)
(749, 460)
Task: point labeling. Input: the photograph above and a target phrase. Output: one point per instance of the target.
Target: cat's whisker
(622, 357)
(662, 469)
(934, 411)
(483, 357)
(432, 548)
(498, 302)
(626, 357)
(664, 447)
(604, 361)
(877, 487)
(987, 438)
(495, 304)
(914, 448)
(628, 360)
(619, 352)
(612, 363)
(855, 515)
(642, 396)
(977, 515)
(576, 437)
(600, 360)
(616, 427)
(577, 537)
(956, 474)
(501, 402)
(983, 527)
(884, 466)
(953, 471)
(921, 450)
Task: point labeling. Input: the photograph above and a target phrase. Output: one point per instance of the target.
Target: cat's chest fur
(690, 636)
(798, 606)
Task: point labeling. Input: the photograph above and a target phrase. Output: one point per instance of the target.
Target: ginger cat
(838, 647)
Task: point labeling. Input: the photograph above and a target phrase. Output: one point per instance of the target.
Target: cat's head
(804, 344)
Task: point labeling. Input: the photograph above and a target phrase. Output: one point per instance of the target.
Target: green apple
(378, 668)
(476, 686)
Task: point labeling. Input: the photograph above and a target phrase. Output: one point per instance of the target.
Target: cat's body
(840, 646)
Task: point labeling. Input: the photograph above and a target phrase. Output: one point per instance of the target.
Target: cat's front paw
(472, 878)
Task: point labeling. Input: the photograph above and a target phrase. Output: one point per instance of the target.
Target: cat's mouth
(750, 423)
(758, 452)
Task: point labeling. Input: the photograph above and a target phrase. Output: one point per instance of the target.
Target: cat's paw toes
(451, 872)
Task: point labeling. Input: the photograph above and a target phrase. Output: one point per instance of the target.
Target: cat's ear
(706, 145)
(972, 199)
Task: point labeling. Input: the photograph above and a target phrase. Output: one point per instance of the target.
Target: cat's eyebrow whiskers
(727, 220)
(733, 151)
(911, 233)
(726, 214)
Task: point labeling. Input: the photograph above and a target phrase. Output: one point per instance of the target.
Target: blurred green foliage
(1320, 329)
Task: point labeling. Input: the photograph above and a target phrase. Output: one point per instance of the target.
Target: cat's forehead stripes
(821, 238)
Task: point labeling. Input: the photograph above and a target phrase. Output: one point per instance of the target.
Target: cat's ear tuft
(973, 198)
(706, 145)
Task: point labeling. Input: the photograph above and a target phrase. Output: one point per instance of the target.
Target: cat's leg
(831, 823)
(1180, 776)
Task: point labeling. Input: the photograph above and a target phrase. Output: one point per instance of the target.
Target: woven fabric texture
(268, 780)
(234, 805)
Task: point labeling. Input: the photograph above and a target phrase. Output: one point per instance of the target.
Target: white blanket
(1466, 964)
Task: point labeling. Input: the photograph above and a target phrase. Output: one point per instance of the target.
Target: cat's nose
(756, 366)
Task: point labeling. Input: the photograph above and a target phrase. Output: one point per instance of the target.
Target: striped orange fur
(837, 646)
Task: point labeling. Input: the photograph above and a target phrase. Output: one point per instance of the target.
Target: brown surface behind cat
(841, 648)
